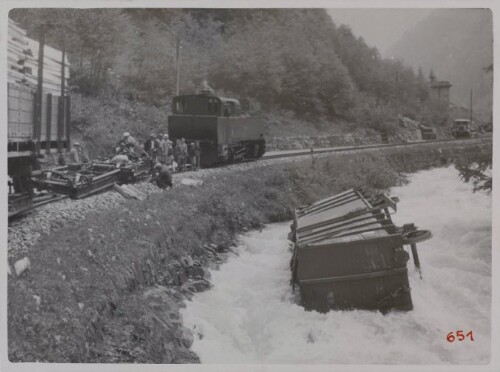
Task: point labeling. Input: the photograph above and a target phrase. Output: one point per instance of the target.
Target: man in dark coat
(162, 176)
(152, 146)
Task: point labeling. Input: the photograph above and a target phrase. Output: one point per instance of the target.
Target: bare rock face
(191, 182)
(197, 286)
(22, 265)
(185, 336)
(186, 356)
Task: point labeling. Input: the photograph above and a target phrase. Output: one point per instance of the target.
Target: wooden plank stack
(130, 192)
(22, 55)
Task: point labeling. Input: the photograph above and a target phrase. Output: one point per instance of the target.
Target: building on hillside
(441, 90)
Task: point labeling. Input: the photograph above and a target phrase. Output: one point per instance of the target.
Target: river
(251, 314)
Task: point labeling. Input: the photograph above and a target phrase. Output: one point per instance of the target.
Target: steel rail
(313, 151)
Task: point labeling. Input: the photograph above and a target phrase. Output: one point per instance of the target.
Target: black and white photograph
(249, 186)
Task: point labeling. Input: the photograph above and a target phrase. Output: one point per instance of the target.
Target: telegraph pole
(471, 106)
(177, 58)
(397, 95)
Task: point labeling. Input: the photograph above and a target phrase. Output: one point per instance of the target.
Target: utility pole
(397, 95)
(471, 106)
(177, 58)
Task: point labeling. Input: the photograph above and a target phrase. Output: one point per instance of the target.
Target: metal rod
(350, 191)
(38, 103)
(324, 227)
(65, 108)
(416, 260)
(330, 202)
(63, 67)
(330, 205)
(347, 232)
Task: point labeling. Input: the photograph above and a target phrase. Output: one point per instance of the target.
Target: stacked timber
(22, 56)
(130, 192)
(348, 254)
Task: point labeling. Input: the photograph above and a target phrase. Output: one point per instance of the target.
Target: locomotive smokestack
(205, 88)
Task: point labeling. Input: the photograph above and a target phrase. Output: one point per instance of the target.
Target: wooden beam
(49, 123)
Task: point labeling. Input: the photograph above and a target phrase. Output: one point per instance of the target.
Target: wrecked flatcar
(78, 181)
(348, 254)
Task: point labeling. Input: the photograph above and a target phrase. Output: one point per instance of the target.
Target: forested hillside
(294, 64)
(461, 54)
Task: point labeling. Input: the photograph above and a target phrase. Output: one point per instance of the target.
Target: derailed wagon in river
(348, 254)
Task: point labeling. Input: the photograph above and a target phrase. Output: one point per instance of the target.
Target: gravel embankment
(26, 230)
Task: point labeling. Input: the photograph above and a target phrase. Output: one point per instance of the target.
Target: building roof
(440, 84)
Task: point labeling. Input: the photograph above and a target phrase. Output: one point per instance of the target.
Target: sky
(380, 28)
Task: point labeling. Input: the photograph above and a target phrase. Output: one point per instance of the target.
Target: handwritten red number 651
(459, 336)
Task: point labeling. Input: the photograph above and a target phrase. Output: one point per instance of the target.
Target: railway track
(52, 198)
(290, 153)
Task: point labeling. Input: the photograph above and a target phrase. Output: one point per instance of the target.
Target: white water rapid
(251, 315)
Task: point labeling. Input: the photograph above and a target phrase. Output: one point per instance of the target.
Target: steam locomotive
(226, 132)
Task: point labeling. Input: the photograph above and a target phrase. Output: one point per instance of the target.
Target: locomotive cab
(205, 104)
(225, 132)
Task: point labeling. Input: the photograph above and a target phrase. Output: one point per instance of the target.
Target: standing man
(151, 147)
(197, 153)
(191, 155)
(177, 152)
(84, 157)
(77, 154)
(162, 148)
(74, 157)
(169, 154)
(184, 154)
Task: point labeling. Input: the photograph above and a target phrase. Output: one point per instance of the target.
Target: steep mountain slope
(457, 44)
(289, 63)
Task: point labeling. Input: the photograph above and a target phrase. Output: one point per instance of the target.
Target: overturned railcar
(225, 133)
(348, 254)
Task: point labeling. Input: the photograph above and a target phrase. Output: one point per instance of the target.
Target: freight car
(226, 134)
(348, 254)
(38, 111)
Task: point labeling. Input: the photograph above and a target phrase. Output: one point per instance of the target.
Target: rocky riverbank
(108, 286)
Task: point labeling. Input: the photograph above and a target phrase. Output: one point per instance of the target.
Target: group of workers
(165, 154)
(160, 149)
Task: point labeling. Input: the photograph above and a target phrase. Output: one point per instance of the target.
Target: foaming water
(251, 314)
